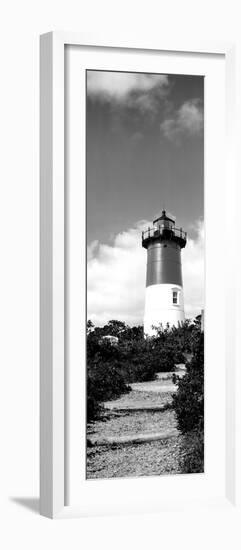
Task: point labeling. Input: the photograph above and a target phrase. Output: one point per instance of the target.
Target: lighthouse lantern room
(164, 288)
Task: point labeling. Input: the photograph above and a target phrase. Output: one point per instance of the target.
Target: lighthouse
(164, 302)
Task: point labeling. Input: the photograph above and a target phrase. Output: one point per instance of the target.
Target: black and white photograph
(145, 274)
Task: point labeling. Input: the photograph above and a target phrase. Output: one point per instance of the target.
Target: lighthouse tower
(164, 294)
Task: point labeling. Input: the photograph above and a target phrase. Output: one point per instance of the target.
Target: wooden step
(133, 439)
(139, 409)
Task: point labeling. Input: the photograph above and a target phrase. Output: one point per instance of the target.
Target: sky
(144, 148)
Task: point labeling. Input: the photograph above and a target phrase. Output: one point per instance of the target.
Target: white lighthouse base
(163, 305)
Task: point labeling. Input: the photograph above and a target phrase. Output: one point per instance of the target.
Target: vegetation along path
(137, 433)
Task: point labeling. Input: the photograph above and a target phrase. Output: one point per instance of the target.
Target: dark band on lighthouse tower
(164, 302)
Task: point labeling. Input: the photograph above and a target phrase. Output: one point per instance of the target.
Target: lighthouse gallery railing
(164, 232)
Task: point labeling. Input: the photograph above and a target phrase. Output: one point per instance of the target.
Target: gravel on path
(132, 416)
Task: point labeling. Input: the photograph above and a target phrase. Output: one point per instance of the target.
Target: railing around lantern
(157, 231)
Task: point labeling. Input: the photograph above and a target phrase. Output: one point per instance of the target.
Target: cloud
(187, 121)
(117, 272)
(91, 250)
(132, 90)
(193, 272)
(116, 279)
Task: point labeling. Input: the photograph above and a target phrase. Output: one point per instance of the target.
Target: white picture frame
(53, 433)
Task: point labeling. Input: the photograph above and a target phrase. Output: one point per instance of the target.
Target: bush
(188, 403)
(93, 407)
(113, 365)
(192, 452)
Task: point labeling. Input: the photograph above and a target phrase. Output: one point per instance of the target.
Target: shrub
(133, 358)
(188, 403)
(93, 407)
(192, 452)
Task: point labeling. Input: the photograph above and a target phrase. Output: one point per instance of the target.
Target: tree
(90, 326)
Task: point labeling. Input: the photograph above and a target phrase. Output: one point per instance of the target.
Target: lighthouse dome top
(165, 216)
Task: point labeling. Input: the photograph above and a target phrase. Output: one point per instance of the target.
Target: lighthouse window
(174, 297)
